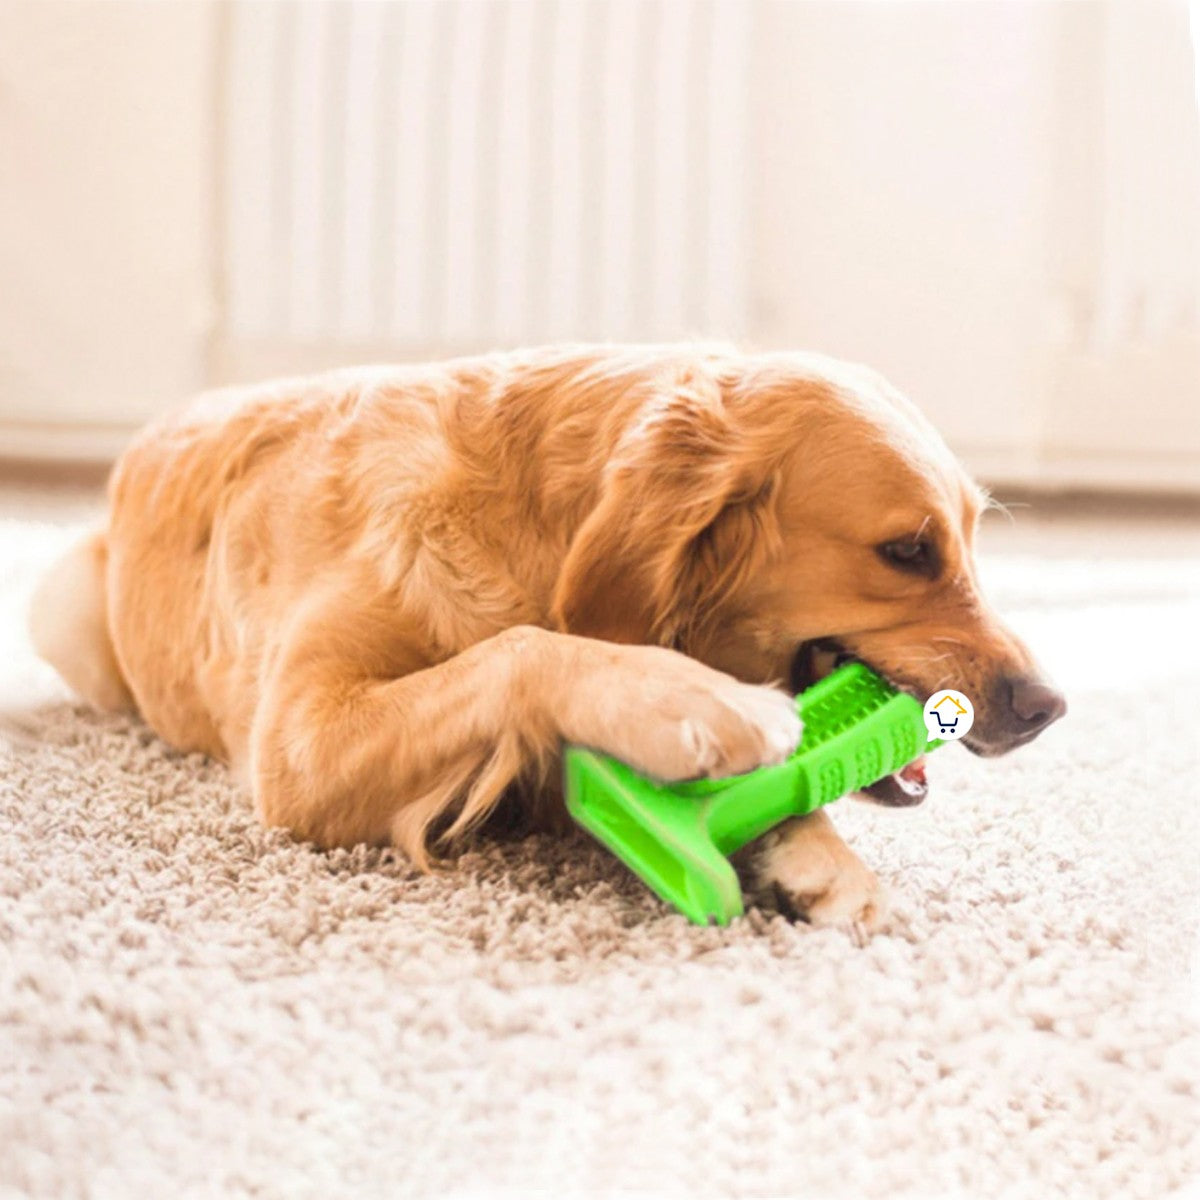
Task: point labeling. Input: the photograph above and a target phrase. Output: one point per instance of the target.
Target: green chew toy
(678, 837)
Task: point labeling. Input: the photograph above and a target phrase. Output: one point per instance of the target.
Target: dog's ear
(683, 515)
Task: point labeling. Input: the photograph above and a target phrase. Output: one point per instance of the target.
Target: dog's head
(774, 517)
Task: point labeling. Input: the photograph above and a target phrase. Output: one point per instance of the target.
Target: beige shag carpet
(192, 1006)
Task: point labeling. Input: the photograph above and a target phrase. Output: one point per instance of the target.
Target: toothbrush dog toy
(678, 837)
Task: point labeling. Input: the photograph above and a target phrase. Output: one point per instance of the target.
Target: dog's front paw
(805, 869)
(675, 718)
(727, 728)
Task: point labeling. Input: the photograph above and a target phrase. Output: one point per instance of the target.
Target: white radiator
(472, 173)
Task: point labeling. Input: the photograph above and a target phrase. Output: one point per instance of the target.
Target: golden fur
(385, 595)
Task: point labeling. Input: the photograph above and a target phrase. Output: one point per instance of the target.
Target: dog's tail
(68, 621)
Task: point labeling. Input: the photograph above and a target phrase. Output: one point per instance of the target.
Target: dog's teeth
(912, 778)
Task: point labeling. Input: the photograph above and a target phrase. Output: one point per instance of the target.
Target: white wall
(902, 171)
(106, 256)
(928, 191)
(943, 189)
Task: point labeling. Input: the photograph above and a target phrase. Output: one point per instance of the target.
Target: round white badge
(949, 715)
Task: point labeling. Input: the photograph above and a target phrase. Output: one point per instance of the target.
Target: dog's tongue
(903, 788)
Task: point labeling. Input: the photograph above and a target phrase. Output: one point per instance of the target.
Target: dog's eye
(916, 555)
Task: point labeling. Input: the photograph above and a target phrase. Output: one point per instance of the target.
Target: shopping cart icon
(944, 725)
(943, 717)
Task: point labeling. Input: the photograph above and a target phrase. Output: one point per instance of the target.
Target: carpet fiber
(191, 1005)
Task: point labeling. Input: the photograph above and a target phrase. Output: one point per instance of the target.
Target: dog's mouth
(817, 658)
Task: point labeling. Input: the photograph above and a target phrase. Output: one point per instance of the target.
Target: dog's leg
(345, 751)
(806, 868)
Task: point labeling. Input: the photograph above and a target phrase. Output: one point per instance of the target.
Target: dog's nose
(1035, 704)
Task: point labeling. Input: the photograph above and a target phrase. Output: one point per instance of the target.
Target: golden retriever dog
(387, 596)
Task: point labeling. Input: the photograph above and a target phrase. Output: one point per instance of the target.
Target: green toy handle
(856, 731)
(678, 837)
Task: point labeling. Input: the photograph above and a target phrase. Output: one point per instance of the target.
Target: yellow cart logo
(949, 715)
